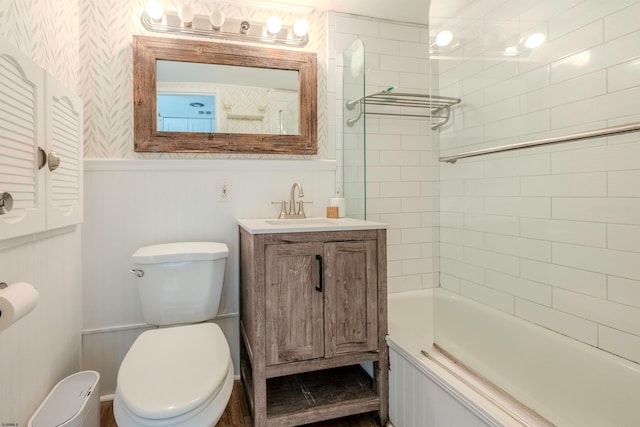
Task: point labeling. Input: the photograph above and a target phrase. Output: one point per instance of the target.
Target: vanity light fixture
(155, 10)
(301, 28)
(186, 14)
(274, 25)
(216, 25)
(217, 19)
(244, 27)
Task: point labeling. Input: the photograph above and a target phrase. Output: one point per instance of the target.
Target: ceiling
(416, 11)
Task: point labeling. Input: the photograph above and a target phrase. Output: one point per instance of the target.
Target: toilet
(181, 373)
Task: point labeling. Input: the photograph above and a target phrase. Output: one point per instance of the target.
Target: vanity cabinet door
(351, 297)
(293, 305)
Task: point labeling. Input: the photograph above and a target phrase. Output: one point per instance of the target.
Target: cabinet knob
(6, 203)
(42, 158)
(54, 161)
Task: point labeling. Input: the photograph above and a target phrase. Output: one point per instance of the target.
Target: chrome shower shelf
(419, 105)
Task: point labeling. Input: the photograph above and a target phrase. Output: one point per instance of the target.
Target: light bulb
(534, 40)
(444, 38)
(274, 25)
(155, 10)
(301, 28)
(185, 12)
(217, 19)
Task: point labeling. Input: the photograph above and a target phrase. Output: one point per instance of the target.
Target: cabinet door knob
(54, 161)
(42, 158)
(6, 203)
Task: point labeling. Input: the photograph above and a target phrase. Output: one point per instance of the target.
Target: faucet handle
(283, 208)
(301, 207)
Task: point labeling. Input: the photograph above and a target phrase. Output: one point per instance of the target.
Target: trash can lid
(66, 400)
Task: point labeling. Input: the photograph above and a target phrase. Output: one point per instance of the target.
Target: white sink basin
(262, 226)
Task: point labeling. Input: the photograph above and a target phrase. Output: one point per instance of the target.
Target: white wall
(141, 202)
(44, 347)
(401, 170)
(134, 203)
(549, 235)
(148, 200)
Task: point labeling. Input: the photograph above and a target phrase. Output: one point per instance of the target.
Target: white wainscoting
(133, 203)
(44, 346)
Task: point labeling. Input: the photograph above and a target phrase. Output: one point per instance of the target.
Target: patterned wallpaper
(239, 104)
(47, 30)
(105, 77)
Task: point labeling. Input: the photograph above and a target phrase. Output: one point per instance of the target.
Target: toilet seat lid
(171, 371)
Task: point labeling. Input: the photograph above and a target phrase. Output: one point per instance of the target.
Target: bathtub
(552, 380)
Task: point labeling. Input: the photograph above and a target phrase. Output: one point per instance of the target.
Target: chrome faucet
(293, 208)
(296, 208)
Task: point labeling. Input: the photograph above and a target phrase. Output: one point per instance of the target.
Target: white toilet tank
(180, 282)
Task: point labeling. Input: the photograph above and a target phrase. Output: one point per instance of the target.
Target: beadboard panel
(44, 346)
(415, 400)
(134, 203)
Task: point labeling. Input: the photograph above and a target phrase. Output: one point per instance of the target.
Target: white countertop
(274, 225)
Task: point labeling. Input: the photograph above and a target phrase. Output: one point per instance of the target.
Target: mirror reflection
(237, 103)
(213, 98)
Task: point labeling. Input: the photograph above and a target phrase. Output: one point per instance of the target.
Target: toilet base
(206, 414)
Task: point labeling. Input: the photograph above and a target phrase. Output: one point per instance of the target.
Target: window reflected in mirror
(185, 112)
(234, 99)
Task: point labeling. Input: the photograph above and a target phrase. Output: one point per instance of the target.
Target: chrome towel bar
(598, 133)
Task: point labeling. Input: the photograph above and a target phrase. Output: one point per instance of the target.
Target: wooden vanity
(313, 307)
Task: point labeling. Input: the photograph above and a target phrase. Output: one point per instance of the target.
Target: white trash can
(73, 402)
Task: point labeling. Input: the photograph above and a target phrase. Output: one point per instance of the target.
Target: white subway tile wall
(402, 171)
(551, 234)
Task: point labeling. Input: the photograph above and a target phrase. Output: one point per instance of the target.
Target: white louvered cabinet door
(64, 142)
(21, 132)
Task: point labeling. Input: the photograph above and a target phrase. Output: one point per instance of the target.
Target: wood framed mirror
(229, 117)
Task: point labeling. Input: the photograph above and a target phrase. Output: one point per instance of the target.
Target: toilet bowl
(180, 374)
(177, 376)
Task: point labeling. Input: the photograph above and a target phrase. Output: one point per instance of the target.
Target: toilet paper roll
(339, 202)
(16, 301)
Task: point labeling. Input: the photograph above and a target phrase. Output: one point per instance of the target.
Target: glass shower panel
(354, 132)
(539, 239)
